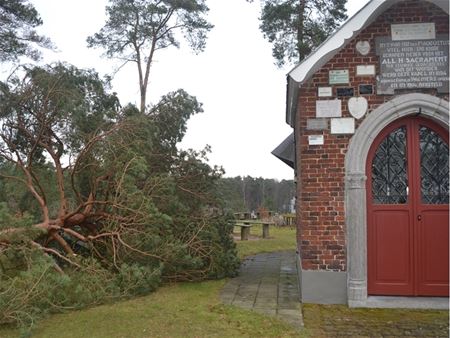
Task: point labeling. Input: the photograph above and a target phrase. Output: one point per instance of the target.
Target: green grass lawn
(280, 238)
(181, 310)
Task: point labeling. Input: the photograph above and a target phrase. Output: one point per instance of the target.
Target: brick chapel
(370, 113)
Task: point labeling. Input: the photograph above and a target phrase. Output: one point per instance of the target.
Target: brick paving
(268, 284)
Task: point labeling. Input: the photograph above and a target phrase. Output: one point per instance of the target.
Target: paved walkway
(267, 283)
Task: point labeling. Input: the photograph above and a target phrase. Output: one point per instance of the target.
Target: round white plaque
(363, 47)
(357, 106)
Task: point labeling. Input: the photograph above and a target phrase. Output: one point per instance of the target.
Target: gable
(335, 43)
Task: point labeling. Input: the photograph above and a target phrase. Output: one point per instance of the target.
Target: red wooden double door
(408, 213)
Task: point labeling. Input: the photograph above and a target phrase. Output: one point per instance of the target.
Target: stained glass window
(389, 170)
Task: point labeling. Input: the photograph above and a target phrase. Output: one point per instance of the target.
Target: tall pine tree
(136, 29)
(296, 27)
(18, 37)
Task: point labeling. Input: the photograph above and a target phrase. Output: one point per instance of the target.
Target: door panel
(391, 273)
(407, 210)
(433, 253)
(432, 211)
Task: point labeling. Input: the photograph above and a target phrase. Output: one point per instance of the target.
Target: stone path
(267, 283)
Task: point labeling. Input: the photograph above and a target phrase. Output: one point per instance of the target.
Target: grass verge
(340, 320)
(181, 310)
(280, 238)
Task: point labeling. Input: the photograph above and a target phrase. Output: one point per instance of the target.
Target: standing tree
(296, 27)
(136, 29)
(18, 21)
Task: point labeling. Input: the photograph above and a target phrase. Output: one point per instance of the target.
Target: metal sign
(344, 91)
(365, 89)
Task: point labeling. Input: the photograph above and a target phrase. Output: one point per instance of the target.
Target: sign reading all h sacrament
(411, 64)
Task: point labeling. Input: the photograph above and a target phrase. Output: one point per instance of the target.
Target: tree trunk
(143, 99)
(300, 29)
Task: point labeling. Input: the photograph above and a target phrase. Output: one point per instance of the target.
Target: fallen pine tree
(97, 200)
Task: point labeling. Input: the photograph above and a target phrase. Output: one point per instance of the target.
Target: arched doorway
(407, 210)
(402, 106)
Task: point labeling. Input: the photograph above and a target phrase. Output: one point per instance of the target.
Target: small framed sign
(325, 91)
(345, 91)
(344, 125)
(339, 76)
(317, 124)
(365, 89)
(315, 140)
(365, 70)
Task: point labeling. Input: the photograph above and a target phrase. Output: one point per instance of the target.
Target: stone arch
(355, 179)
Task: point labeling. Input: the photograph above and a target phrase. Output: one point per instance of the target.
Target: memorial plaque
(325, 91)
(357, 106)
(365, 89)
(365, 70)
(413, 64)
(328, 108)
(413, 31)
(344, 91)
(345, 125)
(363, 47)
(315, 140)
(339, 76)
(316, 124)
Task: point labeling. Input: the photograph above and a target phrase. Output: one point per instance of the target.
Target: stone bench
(245, 228)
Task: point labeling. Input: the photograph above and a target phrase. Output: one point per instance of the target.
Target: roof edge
(335, 42)
(342, 35)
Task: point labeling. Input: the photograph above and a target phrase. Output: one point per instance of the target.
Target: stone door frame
(400, 106)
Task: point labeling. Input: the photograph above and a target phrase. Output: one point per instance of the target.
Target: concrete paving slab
(267, 283)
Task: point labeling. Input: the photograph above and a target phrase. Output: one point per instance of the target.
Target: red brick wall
(320, 184)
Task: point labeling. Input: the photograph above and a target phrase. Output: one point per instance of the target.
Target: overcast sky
(242, 91)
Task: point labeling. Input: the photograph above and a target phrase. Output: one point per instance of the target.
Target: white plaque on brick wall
(365, 70)
(345, 125)
(315, 140)
(413, 31)
(328, 108)
(325, 91)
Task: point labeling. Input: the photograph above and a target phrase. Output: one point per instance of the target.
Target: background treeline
(246, 194)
